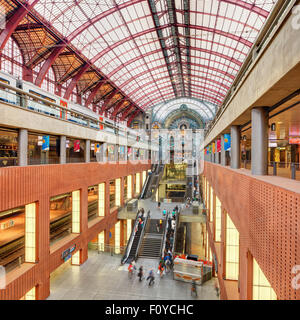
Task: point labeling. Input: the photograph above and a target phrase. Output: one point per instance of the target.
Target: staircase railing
(129, 244)
(142, 235)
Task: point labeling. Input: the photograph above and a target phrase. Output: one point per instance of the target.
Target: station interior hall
(150, 150)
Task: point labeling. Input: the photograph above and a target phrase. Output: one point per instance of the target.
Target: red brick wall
(23, 185)
(267, 217)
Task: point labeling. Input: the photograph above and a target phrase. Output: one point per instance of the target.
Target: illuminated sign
(294, 141)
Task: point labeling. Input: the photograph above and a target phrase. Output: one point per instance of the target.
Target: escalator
(135, 240)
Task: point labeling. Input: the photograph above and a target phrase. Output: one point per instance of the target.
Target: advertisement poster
(214, 147)
(219, 146)
(46, 143)
(227, 142)
(76, 146)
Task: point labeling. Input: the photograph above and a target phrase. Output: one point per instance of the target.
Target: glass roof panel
(144, 46)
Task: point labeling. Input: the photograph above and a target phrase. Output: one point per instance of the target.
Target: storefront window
(75, 150)
(176, 172)
(175, 192)
(112, 193)
(111, 152)
(122, 155)
(8, 147)
(43, 149)
(12, 238)
(93, 196)
(96, 150)
(60, 217)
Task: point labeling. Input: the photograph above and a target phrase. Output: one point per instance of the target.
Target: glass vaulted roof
(157, 50)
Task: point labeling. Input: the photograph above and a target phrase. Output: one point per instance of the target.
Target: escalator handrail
(142, 236)
(145, 187)
(165, 235)
(129, 244)
(175, 231)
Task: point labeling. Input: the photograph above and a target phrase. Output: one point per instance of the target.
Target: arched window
(12, 59)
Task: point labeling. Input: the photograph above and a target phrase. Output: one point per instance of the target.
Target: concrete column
(223, 153)
(63, 151)
(216, 154)
(87, 151)
(235, 147)
(23, 147)
(259, 147)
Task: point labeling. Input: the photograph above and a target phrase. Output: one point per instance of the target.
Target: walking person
(157, 227)
(141, 273)
(151, 277)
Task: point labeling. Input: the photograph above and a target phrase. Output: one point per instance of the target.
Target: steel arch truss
(147, 51)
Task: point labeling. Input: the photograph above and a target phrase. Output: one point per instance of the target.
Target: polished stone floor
(102, 277)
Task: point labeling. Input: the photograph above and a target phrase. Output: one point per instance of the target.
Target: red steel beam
(248, 6)
(108, 99)
(48, 63)
(144, 32)
(14, 20)
(131, 118)
(94, 92)
(117, 109)
(75, 79)
(126, 112)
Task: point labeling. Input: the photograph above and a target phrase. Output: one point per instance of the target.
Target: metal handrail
(142, 236)
(129, 244)
(165, 235)
(23, 95)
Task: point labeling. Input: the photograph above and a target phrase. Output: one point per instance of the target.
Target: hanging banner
(227, 142)
(77, 146)
(213, 148)
(111, 149)
(219, 147)
(46, 143)
(210, 149)
(97, 147)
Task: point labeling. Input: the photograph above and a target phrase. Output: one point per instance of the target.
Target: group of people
(167, 260)
(132, 267)
(141, 220)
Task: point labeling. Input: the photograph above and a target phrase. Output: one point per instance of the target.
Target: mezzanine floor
(102, 277)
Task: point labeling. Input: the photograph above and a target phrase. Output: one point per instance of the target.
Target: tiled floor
(102, 277)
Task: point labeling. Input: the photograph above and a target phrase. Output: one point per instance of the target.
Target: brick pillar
(43, 249)
(246, 270)
(107, 202)
(122, 191)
